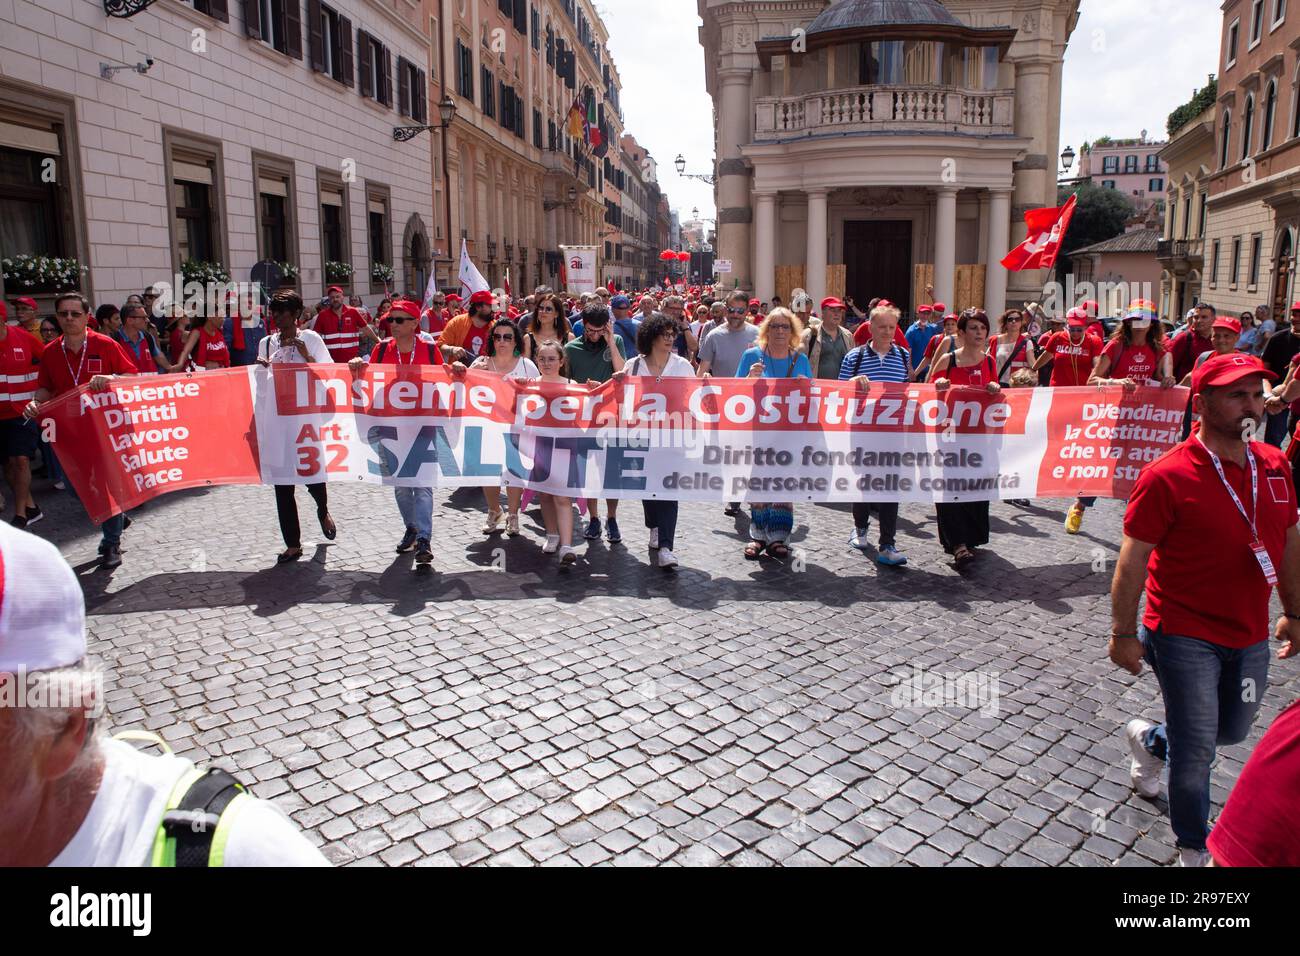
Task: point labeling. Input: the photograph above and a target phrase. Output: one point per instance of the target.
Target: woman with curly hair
(775, 356)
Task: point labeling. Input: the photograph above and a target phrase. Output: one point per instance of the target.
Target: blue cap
(620, 302)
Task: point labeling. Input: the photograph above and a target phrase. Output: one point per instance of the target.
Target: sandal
(753, 550)
(778, 550)
(328, 527)
(962, 556)
(289, 554)
(493, 522)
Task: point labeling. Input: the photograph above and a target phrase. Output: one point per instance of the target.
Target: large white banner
(580, 268)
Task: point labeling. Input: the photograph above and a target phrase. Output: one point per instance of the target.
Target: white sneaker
(654, 539)
(1145, 769)
(1189, 857)
(858, 539)
(568, 556)
(552, 544)
(667, 559)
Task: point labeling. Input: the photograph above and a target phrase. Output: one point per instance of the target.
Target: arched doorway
(1283, 263)
(416, 260)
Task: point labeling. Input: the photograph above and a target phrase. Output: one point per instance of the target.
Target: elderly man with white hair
(71, 797)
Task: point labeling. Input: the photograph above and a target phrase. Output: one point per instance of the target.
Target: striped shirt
(896, 366)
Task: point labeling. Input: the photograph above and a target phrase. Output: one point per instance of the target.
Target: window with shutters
(507, 117)
(374, 69)
(217, 9)
(277, 23)
(550, 46)
(1234, 267)
(334, 243)
(505, 6)
(537, 29)
(489, 104)
(520, 16)
(1256, 256)
(412, 91)
(194, 186)
(464, 71)
(36, 209)
(537, 128)
(378, 232)
(275, 207)
(329, 42)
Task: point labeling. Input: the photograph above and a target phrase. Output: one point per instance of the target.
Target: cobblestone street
(500, 711)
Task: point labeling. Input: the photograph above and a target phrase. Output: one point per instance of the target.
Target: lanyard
(85, 347)
(1254, 486)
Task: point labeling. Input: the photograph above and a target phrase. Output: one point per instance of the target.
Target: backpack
(894, 348)
(196, 819)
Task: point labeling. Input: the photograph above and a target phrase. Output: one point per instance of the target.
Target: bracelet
(1291, 617)
(1122, 637)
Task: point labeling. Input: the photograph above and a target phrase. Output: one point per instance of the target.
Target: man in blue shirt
(880, 360)
(921, 332)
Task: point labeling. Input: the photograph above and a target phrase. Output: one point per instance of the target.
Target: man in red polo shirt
(20, 358)
(1210, 529)
(342, 327)
(81, 357)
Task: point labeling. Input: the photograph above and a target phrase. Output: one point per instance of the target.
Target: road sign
(722, 265)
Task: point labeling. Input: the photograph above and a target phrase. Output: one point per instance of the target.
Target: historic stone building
(870, 146)
(1189, 156)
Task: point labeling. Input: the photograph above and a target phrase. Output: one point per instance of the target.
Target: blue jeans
(111, 530)
(1211, 695)
(1277, 427)
(416, 506)
(662, 515)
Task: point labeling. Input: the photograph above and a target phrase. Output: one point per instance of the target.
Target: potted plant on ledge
(338, 273)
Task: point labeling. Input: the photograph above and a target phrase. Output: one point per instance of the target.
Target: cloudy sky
(1129, 64)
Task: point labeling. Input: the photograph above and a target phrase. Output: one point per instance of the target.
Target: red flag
(564, 275)
(610, 286)
(506, 287)
(1047, 228)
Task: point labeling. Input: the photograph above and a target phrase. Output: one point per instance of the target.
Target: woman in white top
(504, 357)
(287, 346)
(1011, 348)
(654, 341)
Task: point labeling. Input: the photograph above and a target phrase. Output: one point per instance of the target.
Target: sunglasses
(65, 314)
(779, 328)
(399, 319)
(735, 311)
(503, 337)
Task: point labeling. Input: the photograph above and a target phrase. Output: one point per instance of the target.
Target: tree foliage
(1201, 100)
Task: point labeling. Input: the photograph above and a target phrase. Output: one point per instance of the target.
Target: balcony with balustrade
(890, 109)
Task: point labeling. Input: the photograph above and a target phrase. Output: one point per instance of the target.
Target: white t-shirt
(270, 349)
(677, 367)
(524, 368)
(123, 821)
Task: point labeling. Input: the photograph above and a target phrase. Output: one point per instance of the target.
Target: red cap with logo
(831, 302)
(482, 296)
(1227, 322)
(938, 307)
(1076, 319)
(1226, 369)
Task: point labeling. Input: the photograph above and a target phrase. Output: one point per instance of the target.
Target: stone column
(815, 271)
(983, 228)
(1034, 178)
(999, 239)
(735, 215)
(765, 246)
(945, 243)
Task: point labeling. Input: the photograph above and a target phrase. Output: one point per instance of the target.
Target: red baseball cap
(406, 307)
(1089, 307)
(952, 315)
(755, 302)
(938, 307)
(1226, 369)
(924, 308)
(1227, 322)
(25, 300)
(481, 296)
(1295, 306)
(334, 288)
(830, 302)
(1076, 319)
(453, 297)
(884, 304)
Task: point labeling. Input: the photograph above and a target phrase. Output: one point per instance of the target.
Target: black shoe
(18, 521)
(407, 544)
(423, 553)
(111, 556)
(34, 514)
(126, 522)
(732, 510)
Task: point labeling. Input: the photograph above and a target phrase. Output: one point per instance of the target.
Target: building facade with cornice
(871, 147)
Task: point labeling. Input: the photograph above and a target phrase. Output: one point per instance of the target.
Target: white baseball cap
(42, 609)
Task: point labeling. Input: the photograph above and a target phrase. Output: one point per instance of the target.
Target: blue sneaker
(593, 529)
(891, 557)
(611, 531)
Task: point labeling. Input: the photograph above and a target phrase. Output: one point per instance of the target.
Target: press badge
(1265, 562)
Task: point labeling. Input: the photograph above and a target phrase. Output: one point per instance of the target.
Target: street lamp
(550, 204)
(446, 113)
(680, 163)
(1067, 159)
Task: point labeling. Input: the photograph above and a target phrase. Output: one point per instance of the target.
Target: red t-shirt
(434, 321)
(974, 376)
(423, 354)
(211, 348)
(1071, 364)
(62, 371)
(1203, 579)
(1258, 826)
(475, 341)
(1295, 369)
(1186, 347)
(1137, 362)
(20, 356)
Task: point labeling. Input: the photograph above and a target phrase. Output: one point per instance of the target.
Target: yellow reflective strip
(164, 847)
(217, 856)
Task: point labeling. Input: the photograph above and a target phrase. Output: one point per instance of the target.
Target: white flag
(429, 290)
(471, 280)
